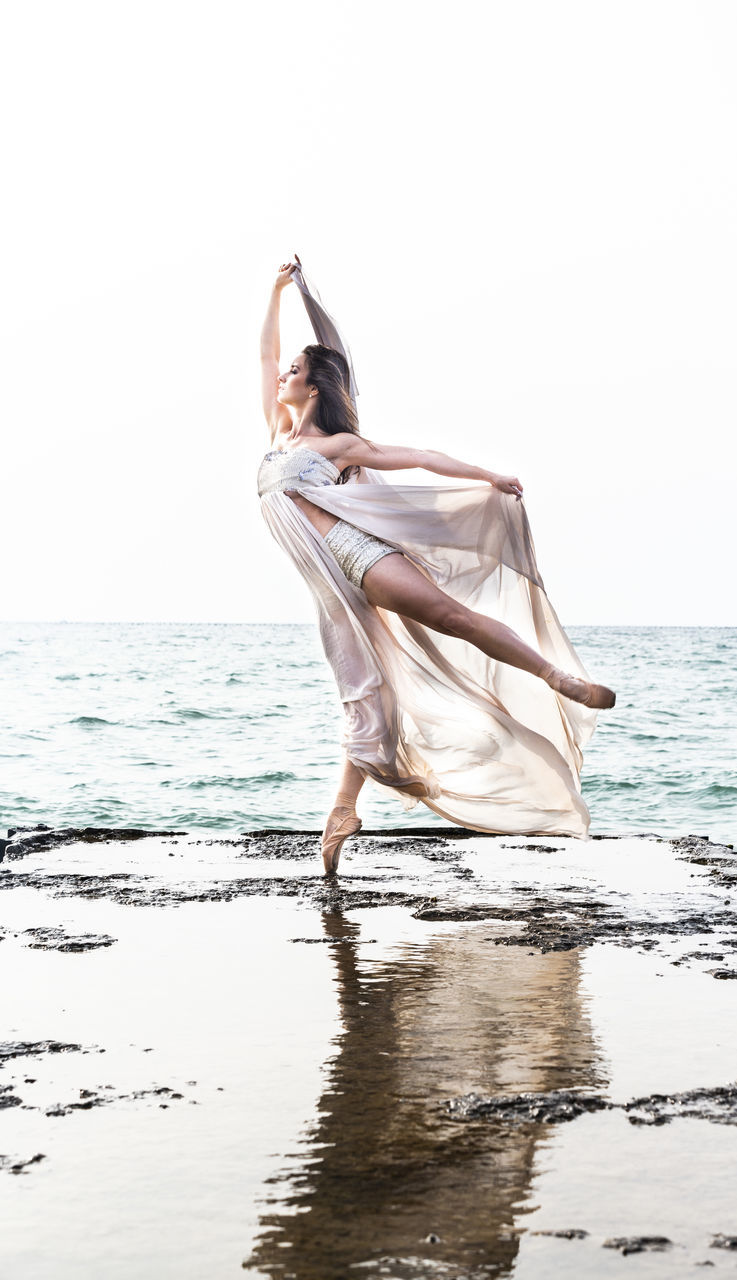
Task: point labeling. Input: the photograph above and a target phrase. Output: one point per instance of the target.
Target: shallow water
(232, 727)
(314, 1043)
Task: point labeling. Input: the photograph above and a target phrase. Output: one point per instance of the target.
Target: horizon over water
(225, 727)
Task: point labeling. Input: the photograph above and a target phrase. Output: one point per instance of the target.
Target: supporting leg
(342, 820)
(350, 782)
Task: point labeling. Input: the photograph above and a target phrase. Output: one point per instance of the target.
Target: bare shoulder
(333, 447)
(338, 445)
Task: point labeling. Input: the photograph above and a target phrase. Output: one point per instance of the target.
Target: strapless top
(287, 468)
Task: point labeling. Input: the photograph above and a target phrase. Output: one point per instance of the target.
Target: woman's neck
(304, 429)
(303, 424)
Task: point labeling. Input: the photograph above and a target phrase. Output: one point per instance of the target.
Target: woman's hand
(285, 275)
(507, 484)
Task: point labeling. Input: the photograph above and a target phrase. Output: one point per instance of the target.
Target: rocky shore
(439, 1059)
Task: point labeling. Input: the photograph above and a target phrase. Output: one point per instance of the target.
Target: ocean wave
(611, 784)
(90, 722)
(203, 784)
(194, 713)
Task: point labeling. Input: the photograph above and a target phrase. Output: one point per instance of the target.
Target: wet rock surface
(143, 891)
(46, 938)
(24, 840)
(718, 1105)
(89, 1098)
(14, 1094)
(724, 1242)
(7, 1097)
(542, 1108)
(569, 1233)
(565, 917)
(639, 1244)
(524, 910)
(34, 1048)
(13, 1164)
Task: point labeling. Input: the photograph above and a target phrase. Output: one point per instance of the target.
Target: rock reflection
(386, 1170)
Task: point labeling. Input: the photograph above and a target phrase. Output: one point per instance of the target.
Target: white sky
(522, 215)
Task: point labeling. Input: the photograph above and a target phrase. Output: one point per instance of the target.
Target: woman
(444, 703)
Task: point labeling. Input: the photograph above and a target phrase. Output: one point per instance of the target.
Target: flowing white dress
(429, 716)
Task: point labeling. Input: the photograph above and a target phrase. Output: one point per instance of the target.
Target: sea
(235, 727)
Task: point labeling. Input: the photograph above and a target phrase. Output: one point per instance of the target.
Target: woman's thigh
(397, 584)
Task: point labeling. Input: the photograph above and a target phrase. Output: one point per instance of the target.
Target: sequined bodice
(288, 468)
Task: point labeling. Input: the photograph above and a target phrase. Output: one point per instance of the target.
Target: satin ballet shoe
(333, 839)
(596, 696)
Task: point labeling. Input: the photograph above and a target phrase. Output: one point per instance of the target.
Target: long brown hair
(327, 370)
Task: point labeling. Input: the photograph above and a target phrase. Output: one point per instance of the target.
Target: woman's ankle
(346, 803)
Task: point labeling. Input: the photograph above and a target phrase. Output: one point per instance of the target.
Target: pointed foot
(341, 824)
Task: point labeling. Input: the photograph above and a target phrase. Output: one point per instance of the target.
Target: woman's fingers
(284, 275)
(509, 484)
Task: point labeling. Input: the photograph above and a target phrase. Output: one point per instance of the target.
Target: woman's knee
(453, 619)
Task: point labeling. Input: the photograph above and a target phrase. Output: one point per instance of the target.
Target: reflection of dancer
(415, 588)
(383, 1166)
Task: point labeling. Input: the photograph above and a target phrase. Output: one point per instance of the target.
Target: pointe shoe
(596, 696)
(333, 838)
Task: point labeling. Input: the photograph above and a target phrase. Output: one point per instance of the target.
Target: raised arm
(388, 457)
(277, 415)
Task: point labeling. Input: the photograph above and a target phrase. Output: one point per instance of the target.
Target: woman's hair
(327, 370)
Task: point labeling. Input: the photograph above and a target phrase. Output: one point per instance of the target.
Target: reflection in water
(385, 1168)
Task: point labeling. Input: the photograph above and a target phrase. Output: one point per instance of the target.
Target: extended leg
(395, 583)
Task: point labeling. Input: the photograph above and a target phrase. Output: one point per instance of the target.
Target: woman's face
(293, 388)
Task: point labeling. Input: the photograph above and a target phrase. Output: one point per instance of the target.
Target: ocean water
(228, 727)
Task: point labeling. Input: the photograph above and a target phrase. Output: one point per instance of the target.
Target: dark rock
(32, 1048)
(138, 890)
(10, 1165)
(723, 1242)
(48, 939)
(543, 1108)
(89, 1099)
(639, 1244)
(15, 831)
(25, 840)
(718, 1105)
(723, 973)
(533, 848)
(433, 911)
(8, 1099)
(571, 1233)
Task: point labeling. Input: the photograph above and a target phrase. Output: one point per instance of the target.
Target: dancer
(432, 612)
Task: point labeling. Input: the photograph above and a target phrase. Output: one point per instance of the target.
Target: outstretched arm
(276, 414)
(388, 457)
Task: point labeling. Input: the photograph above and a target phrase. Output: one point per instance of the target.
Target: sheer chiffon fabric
(429, 717)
